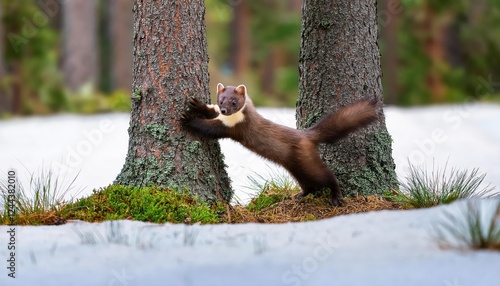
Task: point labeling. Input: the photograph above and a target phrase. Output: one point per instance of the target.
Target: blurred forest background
(76, 55)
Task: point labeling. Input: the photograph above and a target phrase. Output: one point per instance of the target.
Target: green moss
(152, 204)
(264, 200)
(136, 95)
(162, 172)
(311, 119)
(154, 172)
(197, 173)
(158, 132)
(325, 24)
(271, 192)
(374, 177)
(194, 147)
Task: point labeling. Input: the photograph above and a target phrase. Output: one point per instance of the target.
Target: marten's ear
(220, 87)
(241, 90)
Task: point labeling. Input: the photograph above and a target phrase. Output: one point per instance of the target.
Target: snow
(377, 248)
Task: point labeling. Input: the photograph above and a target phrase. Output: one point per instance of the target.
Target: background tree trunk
(389, 33)
(2, 50)
(240, 36)
(434, 27)
(80, 58)
(339, 64)
(171, 65)
(121, 20)
(4, 98)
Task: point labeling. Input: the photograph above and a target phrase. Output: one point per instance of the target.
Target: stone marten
(234, 116)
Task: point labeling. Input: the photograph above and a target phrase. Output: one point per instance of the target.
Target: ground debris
(307, 209)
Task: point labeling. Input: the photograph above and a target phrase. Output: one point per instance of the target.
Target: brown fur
(293, 149)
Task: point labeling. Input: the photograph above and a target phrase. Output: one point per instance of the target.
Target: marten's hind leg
(314, 176)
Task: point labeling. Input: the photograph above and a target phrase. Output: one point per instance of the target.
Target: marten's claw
(196, 105)
(336, 203)
(186, 118)
(300, 196)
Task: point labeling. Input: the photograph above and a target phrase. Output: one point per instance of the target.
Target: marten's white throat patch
(233, 119)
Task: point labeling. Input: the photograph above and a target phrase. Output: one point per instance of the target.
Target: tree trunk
(2, 43)
(268, 78)
(240, 38)
(121, 19)
(170, 66)
(4, 98)
(80, 59)
(390, 55)
(339, 64)
(434, 28)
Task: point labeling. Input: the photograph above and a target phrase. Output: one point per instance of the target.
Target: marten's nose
(223, 111)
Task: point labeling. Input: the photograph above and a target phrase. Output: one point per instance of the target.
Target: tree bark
(339, 64)
(121, 19)
(170, 66)
(80, 59)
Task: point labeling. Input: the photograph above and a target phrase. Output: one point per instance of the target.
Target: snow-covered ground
(381, 248)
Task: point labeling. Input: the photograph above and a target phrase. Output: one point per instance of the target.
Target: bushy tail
(335, 126)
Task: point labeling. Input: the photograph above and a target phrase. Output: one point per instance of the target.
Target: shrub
(424, 189)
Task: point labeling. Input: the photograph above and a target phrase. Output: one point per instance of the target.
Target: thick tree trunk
(339, 64)
(80, 59)
(170, 66)
(121, 19)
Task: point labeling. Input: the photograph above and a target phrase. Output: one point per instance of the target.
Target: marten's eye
(221, 102)
(234, 102)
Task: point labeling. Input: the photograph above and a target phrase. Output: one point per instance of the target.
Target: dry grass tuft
(47, 218)
(309, 208)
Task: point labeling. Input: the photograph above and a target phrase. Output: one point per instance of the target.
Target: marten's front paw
(186, 118)
(196, 105)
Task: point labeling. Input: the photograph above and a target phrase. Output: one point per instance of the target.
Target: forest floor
(308, 209)
(283, 210)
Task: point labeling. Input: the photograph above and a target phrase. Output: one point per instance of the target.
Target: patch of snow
(376, 248)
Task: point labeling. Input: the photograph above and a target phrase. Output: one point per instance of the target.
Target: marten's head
(231, 99)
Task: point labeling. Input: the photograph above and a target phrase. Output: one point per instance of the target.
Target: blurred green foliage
(468, 32)
(32, 59)
(31, 54)
(447, 51)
